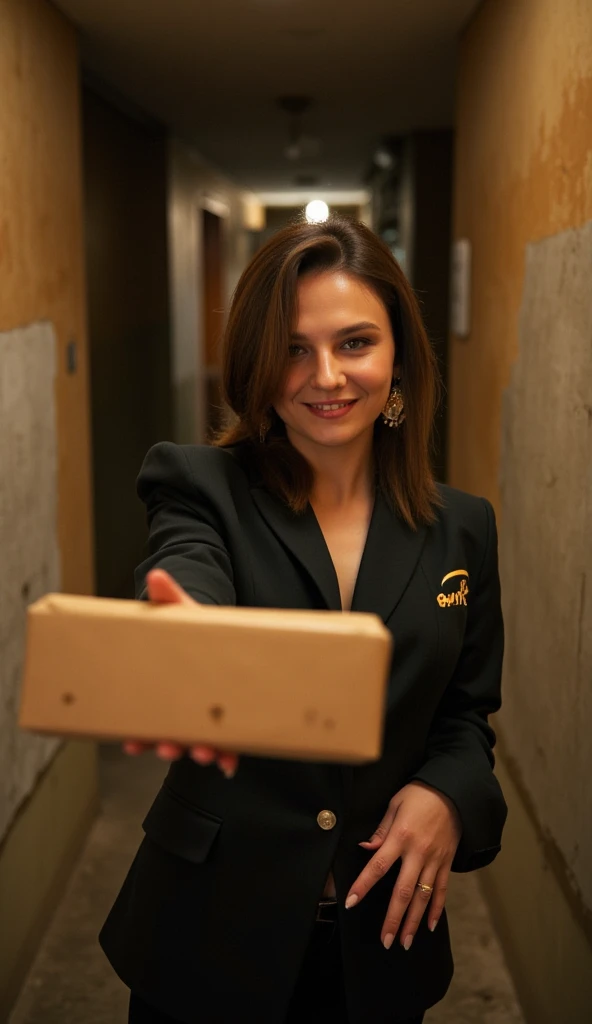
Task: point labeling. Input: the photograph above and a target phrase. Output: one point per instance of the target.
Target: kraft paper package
(291, 684)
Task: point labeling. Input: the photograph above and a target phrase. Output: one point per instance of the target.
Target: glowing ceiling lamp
(316, 211)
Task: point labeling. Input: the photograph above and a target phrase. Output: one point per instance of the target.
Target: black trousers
(319, 996)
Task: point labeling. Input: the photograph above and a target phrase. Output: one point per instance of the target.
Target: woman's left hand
(422, 827)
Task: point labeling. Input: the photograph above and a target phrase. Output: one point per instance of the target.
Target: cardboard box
(293, 684)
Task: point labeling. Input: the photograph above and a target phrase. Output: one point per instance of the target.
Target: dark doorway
(413, 214)
(125, 184)
(213, 317)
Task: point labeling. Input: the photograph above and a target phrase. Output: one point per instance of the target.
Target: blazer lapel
(390, 558)
(303, 537)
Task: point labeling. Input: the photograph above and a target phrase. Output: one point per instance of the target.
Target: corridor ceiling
(213, 70)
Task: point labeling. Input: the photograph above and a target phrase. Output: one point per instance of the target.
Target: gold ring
(424, 887)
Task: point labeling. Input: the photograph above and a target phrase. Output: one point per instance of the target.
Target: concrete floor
(72, 983)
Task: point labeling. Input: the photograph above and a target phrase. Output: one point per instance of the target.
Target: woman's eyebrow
(363, 325)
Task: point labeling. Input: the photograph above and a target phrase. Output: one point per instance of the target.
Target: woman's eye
(295, 350)
(354, 344)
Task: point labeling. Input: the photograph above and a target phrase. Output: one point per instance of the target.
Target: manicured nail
(167, 753)
(351, 901)
(203, 757)
(408, 941)
(433, 925)
(388, 941)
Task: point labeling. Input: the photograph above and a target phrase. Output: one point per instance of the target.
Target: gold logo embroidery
(460, 595)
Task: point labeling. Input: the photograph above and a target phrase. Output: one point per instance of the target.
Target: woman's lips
(331, 410)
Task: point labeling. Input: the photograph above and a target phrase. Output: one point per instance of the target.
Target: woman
(256, 893)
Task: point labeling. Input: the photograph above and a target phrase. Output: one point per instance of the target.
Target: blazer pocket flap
(181, 828)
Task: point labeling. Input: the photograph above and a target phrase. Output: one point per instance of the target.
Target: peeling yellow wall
(523, 195)
(41, 249)
(523, 171)
(42, 279)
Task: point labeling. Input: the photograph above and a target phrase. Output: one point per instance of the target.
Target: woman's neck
(342, 474)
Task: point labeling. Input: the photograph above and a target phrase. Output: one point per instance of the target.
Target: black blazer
(214, 917)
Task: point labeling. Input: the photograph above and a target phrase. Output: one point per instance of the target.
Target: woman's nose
(327, 373)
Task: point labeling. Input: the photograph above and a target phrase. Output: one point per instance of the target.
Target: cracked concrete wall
(546, 554)
(520, 433)
(42, 273)
(28, 538)
(45, 498)
(44, 452)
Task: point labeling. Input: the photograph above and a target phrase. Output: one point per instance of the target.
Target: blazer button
(327, 820)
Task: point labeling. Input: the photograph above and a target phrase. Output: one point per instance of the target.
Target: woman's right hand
(162, 589)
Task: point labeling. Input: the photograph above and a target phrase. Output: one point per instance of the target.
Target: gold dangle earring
(393, 413)
(264, 427)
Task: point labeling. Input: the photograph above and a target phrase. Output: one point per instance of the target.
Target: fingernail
(202, 757)
(408, 941)
(433, 925)
(388, 941)
(351, 901)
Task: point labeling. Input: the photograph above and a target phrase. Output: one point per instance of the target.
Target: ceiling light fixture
(383, 158)
(316, 212)
(299, 145)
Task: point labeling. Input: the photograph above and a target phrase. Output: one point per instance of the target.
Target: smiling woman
(257, 892)
(336, 372)
(331, 295)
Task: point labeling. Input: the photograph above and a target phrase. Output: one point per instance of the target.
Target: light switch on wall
(71, 356)
(460, 304)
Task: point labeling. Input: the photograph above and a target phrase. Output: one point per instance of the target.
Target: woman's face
(341, 361)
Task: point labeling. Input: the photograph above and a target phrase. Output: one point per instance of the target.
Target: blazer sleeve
(185, 530)
(460, 757)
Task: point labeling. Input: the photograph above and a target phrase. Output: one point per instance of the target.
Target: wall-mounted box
(460, 292)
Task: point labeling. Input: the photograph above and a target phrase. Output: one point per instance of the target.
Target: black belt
(327, 911)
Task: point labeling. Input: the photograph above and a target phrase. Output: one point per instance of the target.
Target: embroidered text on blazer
(460, 595)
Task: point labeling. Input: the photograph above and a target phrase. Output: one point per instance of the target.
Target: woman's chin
(331, 435)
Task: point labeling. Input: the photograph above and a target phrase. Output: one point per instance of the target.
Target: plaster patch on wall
(29, 552)
(546, 545)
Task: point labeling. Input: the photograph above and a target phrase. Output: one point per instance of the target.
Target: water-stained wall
(45, 499)
(546, 554)
(521, 434)
(28, 538)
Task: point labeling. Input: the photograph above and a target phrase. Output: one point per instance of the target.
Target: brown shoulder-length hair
(256, 357)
